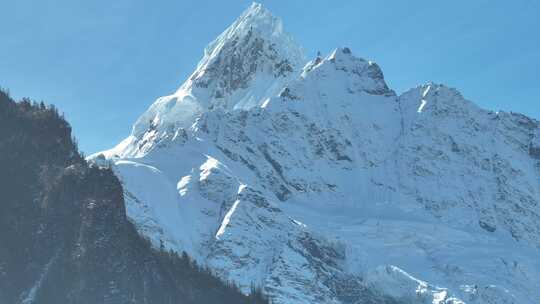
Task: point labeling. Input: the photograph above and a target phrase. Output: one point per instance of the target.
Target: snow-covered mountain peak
(254, 20)
(254, 43)
(249, 62)
(434, 99)
(361, 74)
(343, 55)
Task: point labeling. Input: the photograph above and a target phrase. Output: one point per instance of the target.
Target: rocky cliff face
(64, 232)
(329, 187)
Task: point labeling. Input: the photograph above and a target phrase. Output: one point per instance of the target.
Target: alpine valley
(317, 182)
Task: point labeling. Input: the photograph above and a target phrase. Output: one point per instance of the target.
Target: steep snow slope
(252, 59)
(323, 186)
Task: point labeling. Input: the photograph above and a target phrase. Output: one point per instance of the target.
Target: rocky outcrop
(534, 146)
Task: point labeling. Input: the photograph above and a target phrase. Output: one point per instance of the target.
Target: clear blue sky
(104, 62)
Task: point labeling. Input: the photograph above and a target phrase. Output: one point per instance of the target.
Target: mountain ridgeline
(64, 232)
(318, 182)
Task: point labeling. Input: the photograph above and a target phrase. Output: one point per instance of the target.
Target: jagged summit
(254, 37)
(254, 44)
(363, 75)
(436, 99)
(249, 61)
(259, 21)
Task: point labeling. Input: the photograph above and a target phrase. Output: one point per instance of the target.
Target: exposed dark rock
(534, 151)
(487, 227)
(286, 93)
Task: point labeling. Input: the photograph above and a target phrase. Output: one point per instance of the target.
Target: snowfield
(322, 185)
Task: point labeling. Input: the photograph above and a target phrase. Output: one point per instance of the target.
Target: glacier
(317, 182)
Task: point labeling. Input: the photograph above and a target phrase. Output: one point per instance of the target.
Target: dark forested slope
(64, 234)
